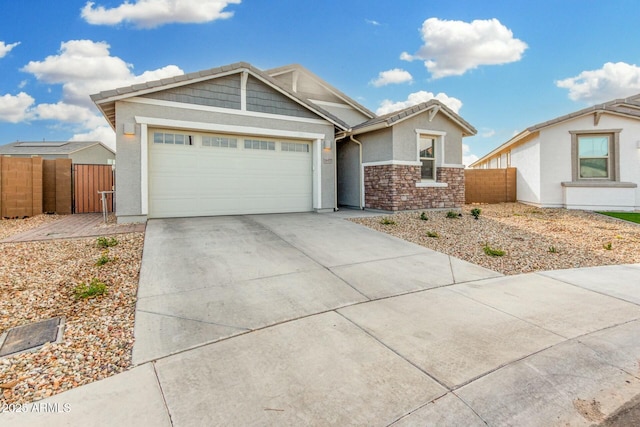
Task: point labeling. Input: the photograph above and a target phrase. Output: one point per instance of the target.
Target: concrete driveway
(308, 319)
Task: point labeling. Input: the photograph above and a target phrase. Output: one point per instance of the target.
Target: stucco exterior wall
(526, 159)
(556, 161)
(95, 155)
(129, 177)
(405, 138)
(377, 146)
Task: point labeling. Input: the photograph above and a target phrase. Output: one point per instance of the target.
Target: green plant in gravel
(106, 242)
(90, 290)
(424, 217)
(453, 214)
(553, 250)
(492, 251)
(608, 246)
(387, 221)
(432, 234)
(475, 212)
(104, 258)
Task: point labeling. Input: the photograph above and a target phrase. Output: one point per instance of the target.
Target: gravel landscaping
(532, 239)
(37, 283)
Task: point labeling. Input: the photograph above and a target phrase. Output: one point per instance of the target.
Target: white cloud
(153, 13)
(15, 108)
(451, 48)
(6, 48)
(467, 156)
(388, 106)
(393, 76)
(487, 133)
(84, 67)
(104, 134)
(372, 22)
(613, 80)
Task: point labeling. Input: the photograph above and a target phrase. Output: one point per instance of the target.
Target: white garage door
(207, 174)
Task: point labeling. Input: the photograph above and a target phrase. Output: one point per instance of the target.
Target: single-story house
(239, 140)
(89, 152)
(589, 159)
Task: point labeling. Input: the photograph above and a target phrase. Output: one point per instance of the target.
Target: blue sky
(504, 65)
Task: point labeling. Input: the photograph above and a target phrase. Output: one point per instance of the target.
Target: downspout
(360, 173)
(335, 176)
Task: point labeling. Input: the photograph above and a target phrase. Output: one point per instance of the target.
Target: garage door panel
(200, 180)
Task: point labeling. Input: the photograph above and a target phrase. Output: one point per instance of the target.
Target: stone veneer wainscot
(393, 188)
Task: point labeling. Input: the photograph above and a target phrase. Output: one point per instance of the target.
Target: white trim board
(393, 162)
(184, 106)
(232, 129)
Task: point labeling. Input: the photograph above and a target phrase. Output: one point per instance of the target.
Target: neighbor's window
(593, 156)
(172, 138)
(427, 148)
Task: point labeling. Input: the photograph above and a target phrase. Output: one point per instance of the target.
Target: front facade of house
(239, 140)
(588, 160)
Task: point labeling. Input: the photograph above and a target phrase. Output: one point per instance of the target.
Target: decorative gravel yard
(531, 238)
(38, 281)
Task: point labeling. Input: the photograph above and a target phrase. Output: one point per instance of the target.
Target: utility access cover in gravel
(26, 337)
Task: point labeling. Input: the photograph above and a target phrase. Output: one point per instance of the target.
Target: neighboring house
(589, 159)
(91, 152)
(239, 140)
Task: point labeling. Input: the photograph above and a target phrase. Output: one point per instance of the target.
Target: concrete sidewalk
(312, 320)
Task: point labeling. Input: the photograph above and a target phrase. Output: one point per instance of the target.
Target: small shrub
(387, 221)
(424, 217)
(491, 251)
(432, 234)
(608, 246)
(553, 250)
(104, 258)
(475, 212)
(104, 242)
(91, 290)
(453, 214)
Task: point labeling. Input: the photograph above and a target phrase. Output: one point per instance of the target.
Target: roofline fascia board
(388, 123)
(145, 91)
(331, 89)
(516, 139)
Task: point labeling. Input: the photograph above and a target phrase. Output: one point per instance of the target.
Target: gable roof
(625, 107)
(433, 106)
(106, 100)
(315, 78)
(48, 148)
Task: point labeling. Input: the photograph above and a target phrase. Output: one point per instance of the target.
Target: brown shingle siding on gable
(222, 92)
(261, 98)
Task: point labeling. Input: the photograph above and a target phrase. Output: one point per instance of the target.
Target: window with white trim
(427, 156)
(256, 144)
(219, 141)
(293, 146)
(172, 138)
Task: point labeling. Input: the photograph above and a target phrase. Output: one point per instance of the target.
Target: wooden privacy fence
(88, 180)
(30, 186)
(490, 185)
